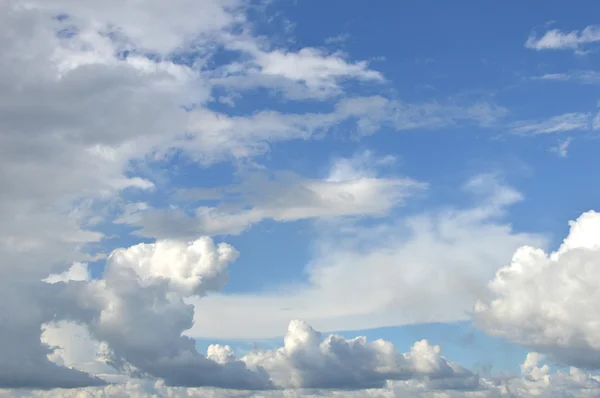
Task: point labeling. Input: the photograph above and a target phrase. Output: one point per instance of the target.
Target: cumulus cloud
(307, 360)
(546, 301)
(556, 39)
(88, 93)
(427, 268)
(140, 313)
(536, 380)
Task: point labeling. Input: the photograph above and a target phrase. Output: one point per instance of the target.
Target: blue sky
(248, 173)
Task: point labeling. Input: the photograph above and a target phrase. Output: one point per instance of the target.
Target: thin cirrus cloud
(591, 77)
(557, 124)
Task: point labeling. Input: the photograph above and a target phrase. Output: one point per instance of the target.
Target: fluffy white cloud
(547, 301)
(556, 39)
(140, 313)
(536, 380)
(427, 268)
(307, 360)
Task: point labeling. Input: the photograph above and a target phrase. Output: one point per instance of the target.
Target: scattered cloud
(341, 38)
(562, 148)
(556, 39)
(90, 97)
(215, 136)
(427, 267)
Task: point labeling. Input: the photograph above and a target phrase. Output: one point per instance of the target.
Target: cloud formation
(546, 301)
(351, 188)
(574, 121)
(415, 284)
(556, 39)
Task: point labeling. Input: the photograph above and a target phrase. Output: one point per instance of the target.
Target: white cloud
(556, 124)
(174, 27)
(579, 76)
(556, 39)
(342, 37)
(427, 268)
(138, 311)
(536, 380)
(307, 360)
(562, 148)
(596, 122)
(352, 188)
(76, 114)
(77, 272)
(215, 136)
(74, 347)
(547, 301)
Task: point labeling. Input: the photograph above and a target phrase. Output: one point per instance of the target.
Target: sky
(282, 198)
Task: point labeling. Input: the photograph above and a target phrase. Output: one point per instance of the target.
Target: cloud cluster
(536, 380)
(86, 92)
(308, 361)
(90, 95)
(140, 313)
(414, 283)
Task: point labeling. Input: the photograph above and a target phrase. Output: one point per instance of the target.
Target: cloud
(308, 73)
(536, 379)
(215, 136)
(580, 76)
(555, 124)
(547, 301)
(427, 267)
(140, 314)
(341, 38)
(88, 97)
(562, 148)
(180, 24)
(308, 360)
(556, 39)
(77, 272)
(352, 188)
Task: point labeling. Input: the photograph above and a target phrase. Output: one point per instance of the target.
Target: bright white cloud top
(181, 182)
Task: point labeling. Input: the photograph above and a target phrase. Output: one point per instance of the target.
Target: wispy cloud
(556, 39)
(562, 148)
(556, 124)
(580, 76)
